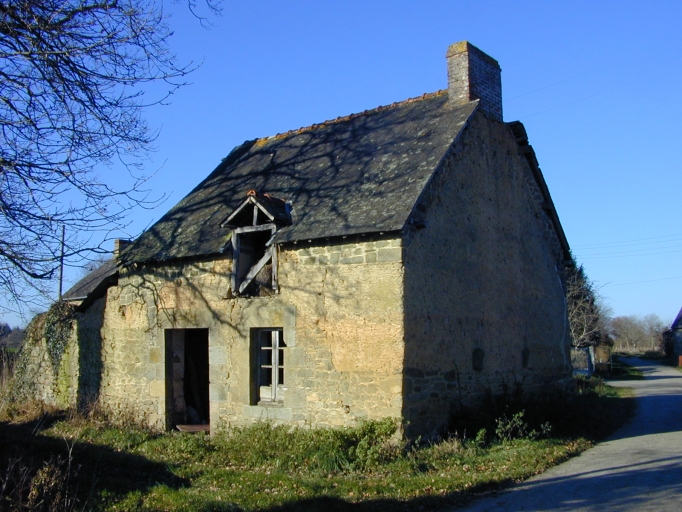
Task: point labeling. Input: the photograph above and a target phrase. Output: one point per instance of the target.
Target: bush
(515, 427)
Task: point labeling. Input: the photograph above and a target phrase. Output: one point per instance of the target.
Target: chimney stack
(119, 245)
(473, 75)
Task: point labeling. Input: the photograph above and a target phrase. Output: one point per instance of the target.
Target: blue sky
(597, 85)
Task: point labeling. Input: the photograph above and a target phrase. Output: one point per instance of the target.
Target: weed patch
(321, 451)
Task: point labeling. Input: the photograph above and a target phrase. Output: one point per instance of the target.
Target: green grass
(267, 467)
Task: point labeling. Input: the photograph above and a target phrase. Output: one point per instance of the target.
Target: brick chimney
(119, 245)
(474, 75)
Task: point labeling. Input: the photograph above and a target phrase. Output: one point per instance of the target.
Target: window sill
(270, 403)
(268, 412)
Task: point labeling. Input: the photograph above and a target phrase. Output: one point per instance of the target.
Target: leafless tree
(72, 77)
(638, 334)
(585, 312)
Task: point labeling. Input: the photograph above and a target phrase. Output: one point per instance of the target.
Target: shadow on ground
(23, 448)
(628, 487)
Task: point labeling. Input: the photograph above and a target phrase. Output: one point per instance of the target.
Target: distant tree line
(639, 333)
(591, 322)
(10, 338)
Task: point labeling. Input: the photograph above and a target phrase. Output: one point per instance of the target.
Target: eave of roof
(519, 132)
(93, 284)
(358, 174)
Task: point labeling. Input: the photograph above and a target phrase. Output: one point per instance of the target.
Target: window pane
(265, 339)
(265, 357)
(265, 377)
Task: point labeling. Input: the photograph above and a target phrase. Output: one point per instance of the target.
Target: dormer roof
(259, 209)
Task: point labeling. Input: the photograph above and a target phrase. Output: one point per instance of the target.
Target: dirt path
(638, 469)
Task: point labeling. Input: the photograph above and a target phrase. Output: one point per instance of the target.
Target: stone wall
(484, 300)
(340, 308)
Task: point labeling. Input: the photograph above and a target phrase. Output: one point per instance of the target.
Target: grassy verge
(92, 465)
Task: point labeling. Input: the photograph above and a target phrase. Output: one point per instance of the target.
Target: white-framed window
(267, 366)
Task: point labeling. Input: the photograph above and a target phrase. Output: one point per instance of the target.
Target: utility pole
(61, 264)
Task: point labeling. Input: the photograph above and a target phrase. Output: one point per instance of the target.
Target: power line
(629, 241)
(551, 85)
(640, 282)
(627, 255)
(635, 252)
(576, 101)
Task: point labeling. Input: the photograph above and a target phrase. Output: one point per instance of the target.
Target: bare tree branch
(70, 100)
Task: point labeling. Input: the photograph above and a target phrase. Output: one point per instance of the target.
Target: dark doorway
(187, 376)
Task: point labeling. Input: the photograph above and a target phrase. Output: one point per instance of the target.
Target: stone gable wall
(484, 301)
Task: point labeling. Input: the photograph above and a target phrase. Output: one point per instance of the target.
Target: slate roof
(677, 323)
(93, 285)
(358, 174)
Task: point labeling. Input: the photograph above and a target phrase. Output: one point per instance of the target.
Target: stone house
(406, 262)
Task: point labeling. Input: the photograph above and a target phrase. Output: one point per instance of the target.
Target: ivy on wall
(57, 331)
(54, 327)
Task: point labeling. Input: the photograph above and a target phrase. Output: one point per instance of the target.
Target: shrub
(515, 427)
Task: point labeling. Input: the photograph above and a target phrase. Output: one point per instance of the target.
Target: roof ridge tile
(427, 95)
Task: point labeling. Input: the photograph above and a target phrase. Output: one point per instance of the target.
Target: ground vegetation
(75, 461)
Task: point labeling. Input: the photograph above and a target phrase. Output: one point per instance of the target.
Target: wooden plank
(255, 269)
(193, 428)
(275, 285)
(235, 263)
(251, 229)
(226, 222)
(267, 213)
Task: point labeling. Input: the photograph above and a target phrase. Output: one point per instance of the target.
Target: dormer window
(254, 256)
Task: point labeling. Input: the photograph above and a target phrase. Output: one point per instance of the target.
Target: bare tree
(638, 334)
(70, 100)
(585, 312)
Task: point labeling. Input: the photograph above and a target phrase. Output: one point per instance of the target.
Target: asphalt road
(638, 469)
